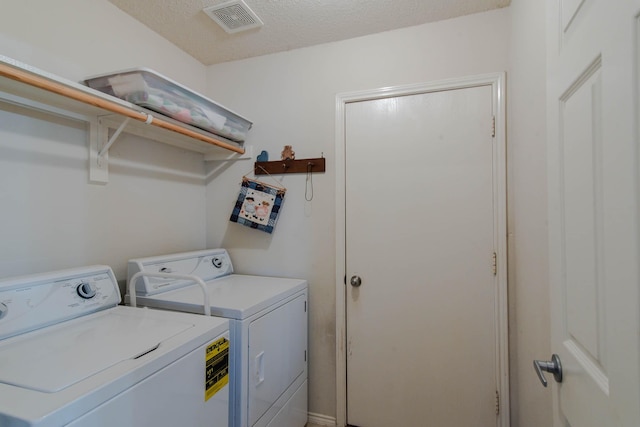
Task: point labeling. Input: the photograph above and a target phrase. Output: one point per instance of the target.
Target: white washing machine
(70, 356)
(268, 325)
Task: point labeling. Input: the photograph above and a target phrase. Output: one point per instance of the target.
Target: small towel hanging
(258, 204)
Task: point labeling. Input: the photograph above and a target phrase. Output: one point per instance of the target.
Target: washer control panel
(207, 265)
(34, 301)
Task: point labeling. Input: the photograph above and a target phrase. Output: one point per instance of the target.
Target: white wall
(291, 98)
(51, 216)
(528, 264)
(76, 39)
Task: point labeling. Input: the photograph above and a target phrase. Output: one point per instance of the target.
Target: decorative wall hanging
(288, 153)
(263, 156)
(258, 204)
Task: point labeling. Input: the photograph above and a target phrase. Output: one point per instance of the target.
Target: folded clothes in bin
(149, 89)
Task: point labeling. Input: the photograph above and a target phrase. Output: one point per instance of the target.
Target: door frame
(497, 83)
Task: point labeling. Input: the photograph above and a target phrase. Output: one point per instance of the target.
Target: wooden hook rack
(290, 166)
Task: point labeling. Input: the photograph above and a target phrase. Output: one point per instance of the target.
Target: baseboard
(321, 420)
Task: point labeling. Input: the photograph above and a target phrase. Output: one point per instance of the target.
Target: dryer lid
(235, 296)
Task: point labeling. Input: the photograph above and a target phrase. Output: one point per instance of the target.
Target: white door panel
(420, 232)
(593, 210)
(277, 354)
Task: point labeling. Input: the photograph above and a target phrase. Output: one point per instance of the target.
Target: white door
(421, 231)
(593, 210)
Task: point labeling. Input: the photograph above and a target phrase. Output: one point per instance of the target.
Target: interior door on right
(593, 209)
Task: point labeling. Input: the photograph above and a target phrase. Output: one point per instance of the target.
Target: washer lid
(54, 358)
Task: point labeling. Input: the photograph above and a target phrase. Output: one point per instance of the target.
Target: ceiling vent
(233, 16)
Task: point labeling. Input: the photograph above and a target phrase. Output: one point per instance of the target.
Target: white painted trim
(497, 83)
(502, 313)
(321, 420)
(341, 357)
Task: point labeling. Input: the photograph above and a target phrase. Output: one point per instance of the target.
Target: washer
(268, 326)
(71, 356)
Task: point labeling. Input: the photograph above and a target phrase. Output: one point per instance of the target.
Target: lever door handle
(553, 367)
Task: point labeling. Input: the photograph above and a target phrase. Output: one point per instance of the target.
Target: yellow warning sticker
(216, 367)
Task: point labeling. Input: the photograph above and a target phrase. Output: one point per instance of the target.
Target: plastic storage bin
(148, 89)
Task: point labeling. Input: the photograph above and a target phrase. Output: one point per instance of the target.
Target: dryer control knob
(217, 262)
(3, 310)
(85, 290)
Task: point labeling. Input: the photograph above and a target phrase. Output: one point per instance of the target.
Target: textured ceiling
(289, 24)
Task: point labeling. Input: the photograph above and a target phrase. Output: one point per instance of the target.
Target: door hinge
(497, 402)
(494, 263)
(493, 127)
(305, 355)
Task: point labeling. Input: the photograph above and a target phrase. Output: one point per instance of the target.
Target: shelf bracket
(98, 159)
(100, 143)
(248, 155)
(113, 138)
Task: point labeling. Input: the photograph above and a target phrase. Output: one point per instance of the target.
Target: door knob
(355, 281)
(553, 367)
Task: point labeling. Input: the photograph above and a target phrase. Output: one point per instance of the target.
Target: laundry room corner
(53, 217)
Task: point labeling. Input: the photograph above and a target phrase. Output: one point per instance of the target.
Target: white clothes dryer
(268, 327)
(71, 356)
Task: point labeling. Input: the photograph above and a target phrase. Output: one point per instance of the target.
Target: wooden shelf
(28, 86)
(290, 166)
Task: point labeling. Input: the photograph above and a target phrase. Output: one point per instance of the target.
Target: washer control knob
(85, 290)
(217, 262)
(3, 310)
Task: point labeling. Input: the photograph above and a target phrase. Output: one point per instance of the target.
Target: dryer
(71, 356)
(268, 328)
